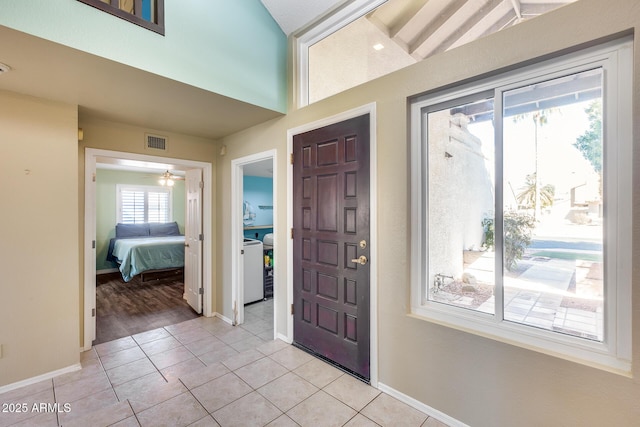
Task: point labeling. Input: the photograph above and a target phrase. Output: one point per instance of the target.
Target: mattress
(137, 255)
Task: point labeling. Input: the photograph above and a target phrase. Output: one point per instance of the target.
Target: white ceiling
(263, 168)
(291, 15)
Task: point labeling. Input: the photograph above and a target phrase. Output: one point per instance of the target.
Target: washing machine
(253, 271)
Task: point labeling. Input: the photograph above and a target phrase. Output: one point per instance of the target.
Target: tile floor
(204, 372)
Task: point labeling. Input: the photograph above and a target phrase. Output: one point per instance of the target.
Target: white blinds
(144, 204)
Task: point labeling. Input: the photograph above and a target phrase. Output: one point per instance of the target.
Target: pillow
(167, 229)
(132, 230)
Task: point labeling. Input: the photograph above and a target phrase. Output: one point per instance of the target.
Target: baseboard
(220, 316)
(43, 377)
(107, 271)
(432, 412)
(284, 338)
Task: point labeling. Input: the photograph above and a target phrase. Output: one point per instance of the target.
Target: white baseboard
(432, 412)
(284, 338)
(220, 316)
(37, 379)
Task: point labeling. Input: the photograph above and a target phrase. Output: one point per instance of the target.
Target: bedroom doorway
(254, 257)
(194, 285)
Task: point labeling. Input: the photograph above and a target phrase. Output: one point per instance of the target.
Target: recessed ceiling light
(4, 68)
(378, 46)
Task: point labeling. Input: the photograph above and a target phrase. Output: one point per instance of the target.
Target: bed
(145, 248)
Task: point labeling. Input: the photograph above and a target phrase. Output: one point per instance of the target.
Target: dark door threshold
(332, 363)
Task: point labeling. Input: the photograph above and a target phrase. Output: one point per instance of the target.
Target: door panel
(193, 244)
(331, 218)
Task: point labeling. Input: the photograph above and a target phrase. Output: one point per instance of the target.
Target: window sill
(590, 353)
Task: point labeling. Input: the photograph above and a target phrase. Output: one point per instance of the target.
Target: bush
(517, 236)
(487, 226)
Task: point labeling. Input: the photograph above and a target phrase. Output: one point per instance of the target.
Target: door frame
(90, 157)
(369, 109)
(237, 233)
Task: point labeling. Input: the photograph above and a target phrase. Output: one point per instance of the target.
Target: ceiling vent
(155, 142)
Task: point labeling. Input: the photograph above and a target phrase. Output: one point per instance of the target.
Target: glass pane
(126, 5)
(399, 33)
(460, 151)
(553, 221)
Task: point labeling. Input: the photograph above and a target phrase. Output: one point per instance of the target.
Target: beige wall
(121, 137)
(478, 381)
(38, 237)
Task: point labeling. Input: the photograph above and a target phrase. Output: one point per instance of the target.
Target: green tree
(540, 118)
(590, 142)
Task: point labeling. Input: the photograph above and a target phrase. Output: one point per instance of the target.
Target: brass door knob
(362, 260)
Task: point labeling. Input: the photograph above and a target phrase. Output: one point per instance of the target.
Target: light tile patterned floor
(204, 372)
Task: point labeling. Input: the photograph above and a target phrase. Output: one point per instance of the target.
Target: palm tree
(540, 118)
(530, 197)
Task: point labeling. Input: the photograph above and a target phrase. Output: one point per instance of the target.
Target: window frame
(113, 9)
(147, 189)
(307, 37)
(614, 353)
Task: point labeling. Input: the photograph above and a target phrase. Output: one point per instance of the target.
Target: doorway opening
(174, 281)
(254, 214)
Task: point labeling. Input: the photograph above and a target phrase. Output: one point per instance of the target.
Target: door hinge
(93, 244)
(93, 177)
(201, 237)
(201, 184)
(292, 311)
(201, 291)
(241, 251)
(292, 233)
(93, 312)
(291, 158)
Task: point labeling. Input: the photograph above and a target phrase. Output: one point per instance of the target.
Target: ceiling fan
(168, 179)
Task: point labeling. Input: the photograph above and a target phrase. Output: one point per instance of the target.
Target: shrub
(517, 236)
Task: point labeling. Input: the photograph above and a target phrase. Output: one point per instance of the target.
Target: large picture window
(522, 190)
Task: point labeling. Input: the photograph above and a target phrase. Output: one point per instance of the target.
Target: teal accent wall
(106, 215)
(230, 47)
(258, 191)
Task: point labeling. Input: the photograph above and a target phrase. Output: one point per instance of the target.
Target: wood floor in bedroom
(124, 309)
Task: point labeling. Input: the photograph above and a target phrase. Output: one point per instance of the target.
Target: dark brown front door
(330, 232)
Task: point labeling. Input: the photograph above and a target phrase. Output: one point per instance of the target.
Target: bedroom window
(140, 204)
(522, 207)
(145, 13)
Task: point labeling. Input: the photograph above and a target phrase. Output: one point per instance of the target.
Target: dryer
(253, 271)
